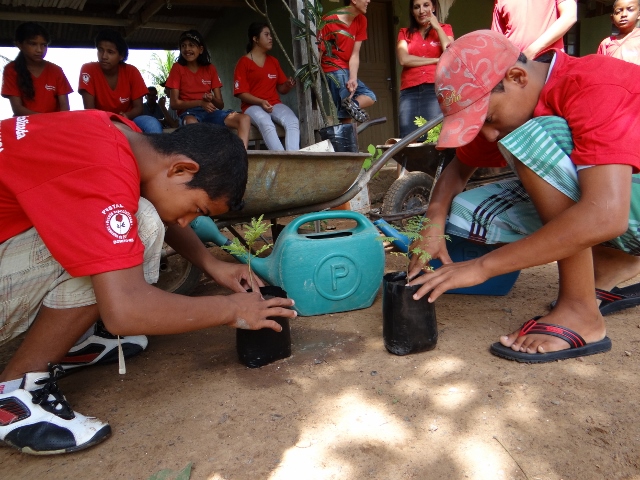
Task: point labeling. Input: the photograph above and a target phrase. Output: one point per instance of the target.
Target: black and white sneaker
(37, 419)
(352, 108)
(102, 348)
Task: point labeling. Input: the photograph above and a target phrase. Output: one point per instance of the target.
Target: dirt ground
(342, 407)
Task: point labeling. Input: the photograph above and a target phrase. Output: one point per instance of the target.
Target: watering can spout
(207, 231)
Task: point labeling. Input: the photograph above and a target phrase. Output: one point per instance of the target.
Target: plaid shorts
(503, 212)
(30, 277)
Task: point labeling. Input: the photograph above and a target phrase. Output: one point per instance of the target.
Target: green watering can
(326, 272)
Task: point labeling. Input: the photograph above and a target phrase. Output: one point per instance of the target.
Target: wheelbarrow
(284, 184)
(419, 166)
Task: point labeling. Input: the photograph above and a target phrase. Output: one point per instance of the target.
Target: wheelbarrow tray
(285, 180)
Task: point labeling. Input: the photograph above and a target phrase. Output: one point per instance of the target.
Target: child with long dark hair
(258, 79)
(195, 88)
(112, 85)
(32, 84)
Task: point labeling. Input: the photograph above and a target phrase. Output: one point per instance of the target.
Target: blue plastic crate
(461, 249)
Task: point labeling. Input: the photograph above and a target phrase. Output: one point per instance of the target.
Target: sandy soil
(342, 407)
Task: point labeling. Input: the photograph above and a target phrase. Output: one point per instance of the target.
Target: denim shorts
(418, 101)
(216, 117)
(339, 92)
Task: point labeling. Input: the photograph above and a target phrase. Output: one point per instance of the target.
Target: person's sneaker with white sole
(37, 419)
(102, 348)
(354, 110)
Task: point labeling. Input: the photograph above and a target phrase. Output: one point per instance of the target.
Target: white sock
(10, 385)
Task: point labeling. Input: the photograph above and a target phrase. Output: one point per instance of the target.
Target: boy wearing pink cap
(575, 153)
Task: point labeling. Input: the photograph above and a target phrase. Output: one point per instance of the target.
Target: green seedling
(433, 134)
(252, 233)
(374, 154)
(413, 231)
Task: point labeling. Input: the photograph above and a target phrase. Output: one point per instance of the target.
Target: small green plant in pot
(409, 326)
(257, 348)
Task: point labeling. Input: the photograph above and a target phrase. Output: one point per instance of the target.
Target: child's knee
(244, 120)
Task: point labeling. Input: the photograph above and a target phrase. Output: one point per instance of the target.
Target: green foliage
(433, 134)
(374, 154)
(160, 67)
(252, 233)
(413, 231)
(166, 474)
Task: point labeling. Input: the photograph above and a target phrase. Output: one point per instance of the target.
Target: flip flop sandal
(577, 346)
(615, 300)
(618, 298)
(354, 110)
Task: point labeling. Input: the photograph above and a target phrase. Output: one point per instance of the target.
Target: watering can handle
(327, 215)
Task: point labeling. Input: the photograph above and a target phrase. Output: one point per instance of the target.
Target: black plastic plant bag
(343, 137)
(409, 326)
(257, 348)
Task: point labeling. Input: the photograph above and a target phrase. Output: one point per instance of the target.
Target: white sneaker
(102, 348)
(37, 419)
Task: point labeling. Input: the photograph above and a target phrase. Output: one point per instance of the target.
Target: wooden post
(309, 118)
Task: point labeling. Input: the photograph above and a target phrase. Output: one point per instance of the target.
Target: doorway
(377, 71)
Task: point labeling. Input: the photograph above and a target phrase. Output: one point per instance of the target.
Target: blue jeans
(148, 124)
(418, 101)
(339, 92)
(216, 117)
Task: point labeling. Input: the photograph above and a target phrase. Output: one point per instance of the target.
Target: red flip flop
(577, 346)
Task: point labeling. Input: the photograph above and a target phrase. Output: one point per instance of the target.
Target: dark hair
(346, 3)
(220, 154)
(499, 88)
(153, 89)
(414, 26)
(27, 31)
(113, 36)
(255, 29)
(204, 58)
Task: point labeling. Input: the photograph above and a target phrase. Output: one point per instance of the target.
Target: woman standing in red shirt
(32, 84)
(258, 79)
(419, 48)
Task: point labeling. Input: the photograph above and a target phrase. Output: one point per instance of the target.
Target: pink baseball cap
(467, 72)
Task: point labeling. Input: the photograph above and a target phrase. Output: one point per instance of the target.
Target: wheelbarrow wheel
(177, 275)
(407, 193)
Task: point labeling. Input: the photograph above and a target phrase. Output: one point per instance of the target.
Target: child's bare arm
(217, 98)
(177, 104)
(601, 214)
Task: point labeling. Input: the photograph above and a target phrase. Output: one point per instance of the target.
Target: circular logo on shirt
(237, 84)
(118, 223)
(85, 78)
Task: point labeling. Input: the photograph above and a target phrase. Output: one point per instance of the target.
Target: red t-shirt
(48, 87)
(192, 86)
(259, 81)
(523, 21)
(428, 47)
(601, 111)
(481, 153)
(343, 44)
(627, 49)
(72, 176)
(130, 87)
